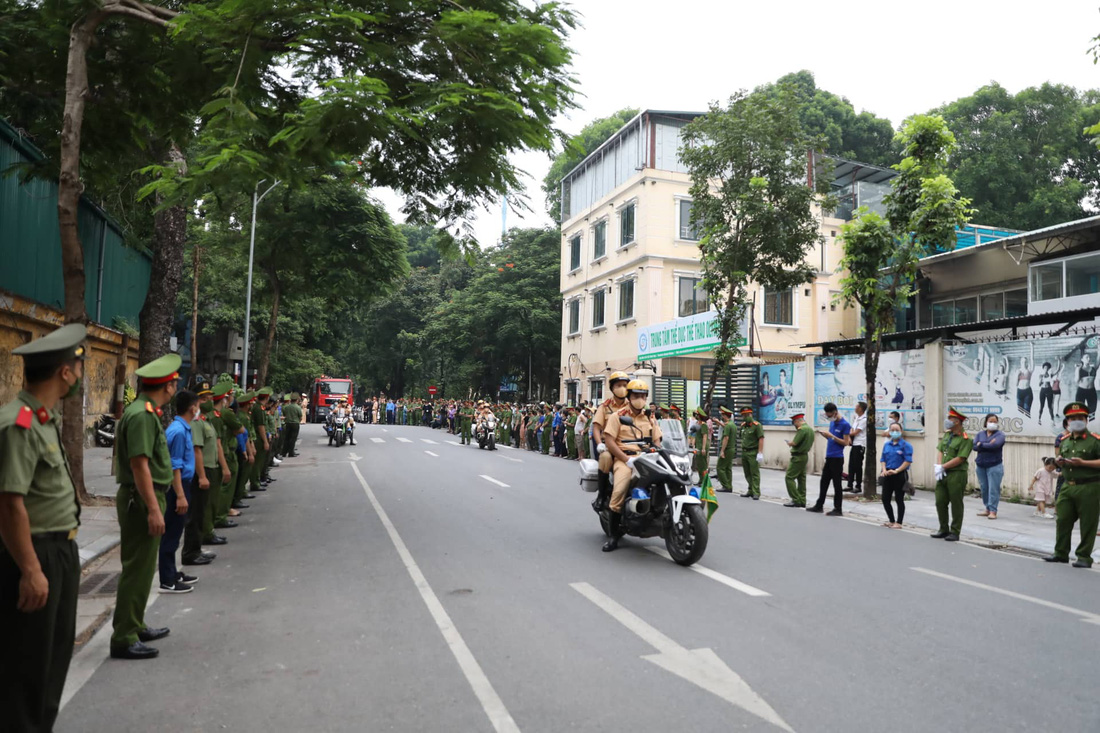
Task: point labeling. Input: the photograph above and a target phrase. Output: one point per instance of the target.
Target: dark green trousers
(35, 648)
(571, 443)
(196, 516)
(213, 501)
(138, 552)
(258, 469)
(244, 470)
(547, 434)
(1077, 502)
(466, 430)
(226, 491)
(751, 469)
(291, 437)
(796, 478)
(949, 492)
(725, 469)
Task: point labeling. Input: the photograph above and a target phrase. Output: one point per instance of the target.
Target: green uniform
(702, 450)
(205, 439)
(215, 476)
(752, 433)
(138, 433)
(950, 489)
(801, 445)
(259, 469)
(293, 414)
(244, 472)
(547, 434)
(570, 436)
(35, 648)
(271, 423)
(465, 417)
(725, 464)
(1079, 497)
(232, 425)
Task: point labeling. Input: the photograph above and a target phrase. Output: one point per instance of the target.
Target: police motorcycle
(339, 430)
(661, 502)
(485, 433)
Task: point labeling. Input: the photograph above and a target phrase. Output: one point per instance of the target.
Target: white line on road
(404, 440)
(429, 441)
(715, 575)
(1086, 616)
(515, 460)
(433, 455)
(377, 440)
(354, 457)
(701, 667)
(490, 479)
(454, 442)
(490, 701)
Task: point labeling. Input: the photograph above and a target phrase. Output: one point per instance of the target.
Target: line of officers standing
(235, 437)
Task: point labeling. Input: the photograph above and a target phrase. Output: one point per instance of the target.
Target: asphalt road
(411, 584)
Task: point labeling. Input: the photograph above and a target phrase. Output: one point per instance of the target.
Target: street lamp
(257, 197)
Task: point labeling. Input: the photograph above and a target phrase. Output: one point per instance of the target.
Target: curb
(97, 549)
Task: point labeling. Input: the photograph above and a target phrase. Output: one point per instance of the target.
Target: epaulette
(606, 403)
(1096, 436)
(624, 411)
(965, 435)
(217, 414)
(149, 407)
(25, 418)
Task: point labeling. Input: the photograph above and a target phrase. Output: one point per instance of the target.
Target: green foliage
(577, 148)
(750, 197)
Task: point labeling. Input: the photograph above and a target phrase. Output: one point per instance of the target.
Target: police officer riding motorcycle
(617, 382)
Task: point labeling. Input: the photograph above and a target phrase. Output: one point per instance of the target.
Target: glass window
(595, 390)
(693, 298)
(992, 306)
(1015, 303)
(598, 299)
(1083, 275)
(599, 235)
(688, 229)
(966, 310)
(626, 299)
(571, 390)
(626, 225)
(1046, 281)
(575, 253)
(778, 309)
(943, 313)
(574, 316)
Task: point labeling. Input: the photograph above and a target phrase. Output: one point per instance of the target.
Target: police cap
(64, 344)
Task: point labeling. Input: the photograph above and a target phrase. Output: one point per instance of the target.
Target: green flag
(706, 494)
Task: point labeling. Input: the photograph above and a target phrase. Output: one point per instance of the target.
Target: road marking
(490, 479)
(404, 440)
(433, 455)
(516, 460)
(429, 441)
(322, 441)
(701, 667)
(454, 442)
(715, 575)
(490, 701)
(354, 457)
(377, 440)
(1086, 616)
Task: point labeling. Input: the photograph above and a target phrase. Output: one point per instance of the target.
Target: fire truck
(325, 393)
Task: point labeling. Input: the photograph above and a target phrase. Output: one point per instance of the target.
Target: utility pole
(257, 197)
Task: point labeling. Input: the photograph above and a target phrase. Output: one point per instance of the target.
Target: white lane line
(377, 440)
(1086, 616)
(490, 701)
(514, 460)
(715, 575)
(454, 442)
(700, 667)
(433, 455)
(492, 480)
(429, 441)
(404, 440)
(322, 441)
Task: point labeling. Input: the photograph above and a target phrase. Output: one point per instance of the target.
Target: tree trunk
(272, 324)
(872, 349)
(158, 312)
(196, 257)
(723, 365)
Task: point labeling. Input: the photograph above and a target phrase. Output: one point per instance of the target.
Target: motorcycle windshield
(672, 436)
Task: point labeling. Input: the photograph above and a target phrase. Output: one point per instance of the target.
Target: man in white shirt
(859, 448)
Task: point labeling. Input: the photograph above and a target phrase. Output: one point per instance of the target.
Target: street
(411, 584)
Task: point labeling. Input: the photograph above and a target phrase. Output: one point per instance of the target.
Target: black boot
(613, 521)
(603, 491)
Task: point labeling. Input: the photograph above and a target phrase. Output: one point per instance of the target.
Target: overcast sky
(890, 58)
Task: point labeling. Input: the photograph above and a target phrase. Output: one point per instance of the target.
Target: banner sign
(687, 335)
(1026, 383)
(782, 392)
(899, 386)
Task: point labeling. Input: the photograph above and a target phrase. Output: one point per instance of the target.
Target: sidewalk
(98, 524)
(1016, 526)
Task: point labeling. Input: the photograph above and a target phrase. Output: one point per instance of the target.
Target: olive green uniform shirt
(956, 446)
(206, 437)
(802, 441)
(139, 433)
(33, 464)
(1086, 446)
(751, 435)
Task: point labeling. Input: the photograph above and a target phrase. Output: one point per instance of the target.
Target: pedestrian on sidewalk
(800, 444)
(1042, 485)
(897, 456)
(39, 516)
(1080, 496)
(837, 440)
(950, 471)
(181, 450)
(859, 447)
(143, 470)
(989, 444)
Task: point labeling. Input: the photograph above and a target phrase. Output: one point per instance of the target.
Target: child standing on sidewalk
(1043, 485)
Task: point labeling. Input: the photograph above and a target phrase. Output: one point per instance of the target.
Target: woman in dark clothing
(897, 456)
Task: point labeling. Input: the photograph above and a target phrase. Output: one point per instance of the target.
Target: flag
(706, 494)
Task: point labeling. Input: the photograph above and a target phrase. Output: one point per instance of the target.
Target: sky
(893, 59)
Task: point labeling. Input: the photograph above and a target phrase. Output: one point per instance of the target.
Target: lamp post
(257, 197)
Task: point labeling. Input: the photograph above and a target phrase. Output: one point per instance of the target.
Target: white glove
(759, 457)
(601, 448)
(630, 461)
(938, 470)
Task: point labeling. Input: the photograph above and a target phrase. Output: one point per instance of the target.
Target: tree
(881, 254)
(577, 148)
(749, 195)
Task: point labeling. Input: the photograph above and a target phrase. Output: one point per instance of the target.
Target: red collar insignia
(217, 414)
(25, 418)
(43, 415)
(158, 411)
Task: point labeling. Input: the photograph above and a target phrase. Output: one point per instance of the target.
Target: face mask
(894, 434)
(948, 424)
(991, 426)
(73, 388)
(619, 392)
(1077, 426)
(638, 403)
(195, 413)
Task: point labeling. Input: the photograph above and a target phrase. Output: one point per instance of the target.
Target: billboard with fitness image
(782, 392)
(899, 386)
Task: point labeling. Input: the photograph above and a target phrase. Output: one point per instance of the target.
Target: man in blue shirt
(389, 412)
(181, 449)
(837, 437)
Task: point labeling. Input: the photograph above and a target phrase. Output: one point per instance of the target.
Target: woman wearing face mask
(897, 455)
(989, 444)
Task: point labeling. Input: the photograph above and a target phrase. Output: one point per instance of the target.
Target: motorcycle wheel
(687, 539)
(340, 440)
(492, 443)
(101, 441)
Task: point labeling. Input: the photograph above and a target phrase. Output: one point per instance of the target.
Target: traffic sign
(432, 390)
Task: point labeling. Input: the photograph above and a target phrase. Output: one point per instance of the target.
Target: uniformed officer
(950, 469)
(614, 434)
(39, 515)
(208, 478)
(570, 434)
(465, 416)
(726, 449)
(702, 444)
(752, 451)
(219, 417)
(616, 382)
(801, 445)
(246, 455)
(260, 436)
(293, 414)
(1080, 494)
(143, 470)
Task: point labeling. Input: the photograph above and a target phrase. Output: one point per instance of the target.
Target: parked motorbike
(662, 501)
(105, 431)
(486, 435)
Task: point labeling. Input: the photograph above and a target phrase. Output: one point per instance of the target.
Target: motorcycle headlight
(681, 463)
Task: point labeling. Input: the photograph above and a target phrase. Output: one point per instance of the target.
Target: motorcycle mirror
(626, 420)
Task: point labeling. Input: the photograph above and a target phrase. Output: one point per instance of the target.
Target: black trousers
(831, 473)
(192, 531)
(855, 466)
(36, 648)
(893, 488)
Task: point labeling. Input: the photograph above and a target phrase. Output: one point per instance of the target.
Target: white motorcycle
(485, 433)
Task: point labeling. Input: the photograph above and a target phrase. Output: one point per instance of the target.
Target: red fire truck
(325, 393)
